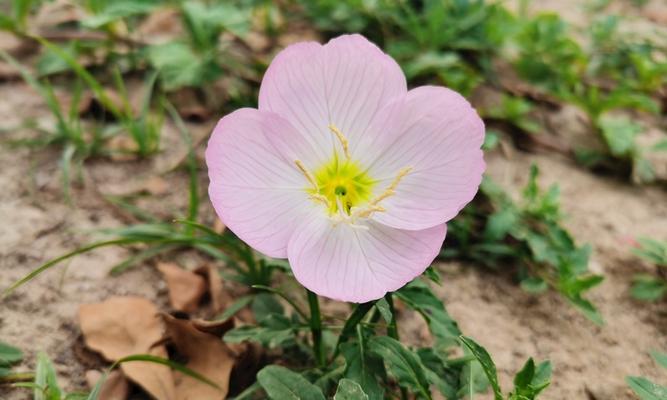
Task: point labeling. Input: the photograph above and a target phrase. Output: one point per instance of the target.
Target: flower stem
(316, 327)
(350, 325)
(392, 331)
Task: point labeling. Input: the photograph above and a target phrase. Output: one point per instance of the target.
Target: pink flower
(344, 171)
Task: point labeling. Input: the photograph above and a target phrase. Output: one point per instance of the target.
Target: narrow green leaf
(280, 384)
(645, 389)
(402, 363)
(45, 380)
(660, 358)
(363, 368)
(488, 366)
(57, 260)
(171, 364)
(384, 309)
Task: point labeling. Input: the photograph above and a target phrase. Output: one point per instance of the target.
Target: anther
(368, 211)
(343, 140)
(391, 189)
(307, 174)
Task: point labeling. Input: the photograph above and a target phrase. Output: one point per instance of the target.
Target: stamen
(368, 211)
(391, 189)
(373, 206)
(343, 140)
(320, 197)
(307, 174)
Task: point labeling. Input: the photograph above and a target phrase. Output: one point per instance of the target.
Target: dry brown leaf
(219, 296)
(161, 26)
(206, 354)
(186, 288)
(123, 148)
(52, 14)
(115, 387)
(123, 326)
(219, 226)
(156, 186)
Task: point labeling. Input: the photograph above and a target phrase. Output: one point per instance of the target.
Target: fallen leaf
(58, 12)
(161, 26)
(219, 296)
(206, 354)
(122, 148)
(156, 186)
(189, 104)
(115, 387)
(123, 326)
(186, 288)
(219, 226)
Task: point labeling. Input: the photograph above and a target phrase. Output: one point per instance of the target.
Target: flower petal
(349, 263)
(438, 134)
(344, 83)
(256, 193)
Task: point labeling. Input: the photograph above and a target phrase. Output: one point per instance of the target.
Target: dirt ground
(590, 362)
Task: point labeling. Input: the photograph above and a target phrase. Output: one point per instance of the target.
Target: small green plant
(644, 388)
(529, 382)
(497, 231)
(9, 357)
(648, 287)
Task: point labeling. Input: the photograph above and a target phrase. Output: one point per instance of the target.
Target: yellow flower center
(343, 183)
(345, 187)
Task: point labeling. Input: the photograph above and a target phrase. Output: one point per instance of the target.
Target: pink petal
(435, 131)
(256, 193)
(347, 263)
(345, 83)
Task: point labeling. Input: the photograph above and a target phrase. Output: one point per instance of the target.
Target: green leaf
(363, 368)
(118, 9)
(524, 377)
(280, 383)
(660, 146)
(534, 284)
(179, 65)
(384, 309)
(268, 337)
(235, 307)
(9, 354)
(171, 364)
(45, 380)
(442, 375)
(652, 250)
(349, 390)
(488, 366)
(645, 389)
(401, 363)
(660, 358)
(648, 288)
(531, 380)
(619, 133)
(587, 308)
(419, 296)
(500, 223)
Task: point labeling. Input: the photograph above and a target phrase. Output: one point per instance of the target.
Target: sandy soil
(590, 362)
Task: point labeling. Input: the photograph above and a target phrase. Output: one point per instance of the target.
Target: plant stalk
(316, 327)
(392, 331)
